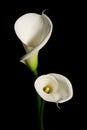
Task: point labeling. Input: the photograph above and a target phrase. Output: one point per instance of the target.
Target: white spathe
(61, 88)
(34, 31)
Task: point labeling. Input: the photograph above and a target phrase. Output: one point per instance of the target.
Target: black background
(64, 53)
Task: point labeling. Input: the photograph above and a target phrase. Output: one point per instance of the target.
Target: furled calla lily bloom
(54, 88)
(34, 31)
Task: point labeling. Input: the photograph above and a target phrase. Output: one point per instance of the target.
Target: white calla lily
(34, 31)
(54, 88)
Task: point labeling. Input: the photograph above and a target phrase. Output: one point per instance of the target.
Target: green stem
(41, 116)
(38, 97)
(40, 105)
(36, 73)
(38, 100)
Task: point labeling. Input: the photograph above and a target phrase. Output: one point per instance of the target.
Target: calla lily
(34, 30)
(54, 88)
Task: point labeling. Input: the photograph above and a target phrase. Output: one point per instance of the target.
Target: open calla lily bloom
(34, 31)
(54, 88)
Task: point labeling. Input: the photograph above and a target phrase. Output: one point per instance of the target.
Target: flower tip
(44, 11)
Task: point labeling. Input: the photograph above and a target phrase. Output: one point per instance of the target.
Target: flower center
(47, 89)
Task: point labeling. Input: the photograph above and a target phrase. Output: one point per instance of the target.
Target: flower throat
(47, 89)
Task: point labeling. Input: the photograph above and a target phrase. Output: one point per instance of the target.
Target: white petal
(65, 88)
(34, 31)
(47, 80)
(61, 87)
(27, 27)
